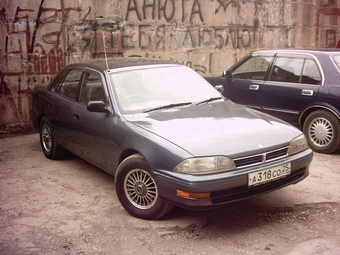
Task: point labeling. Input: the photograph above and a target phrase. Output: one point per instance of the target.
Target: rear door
(60, 105)
(245, 85)
(292, 86)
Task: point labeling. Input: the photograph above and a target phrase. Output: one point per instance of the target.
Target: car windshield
(336, 59)
(160, 88)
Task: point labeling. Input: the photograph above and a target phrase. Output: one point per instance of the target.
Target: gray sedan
(167, 135)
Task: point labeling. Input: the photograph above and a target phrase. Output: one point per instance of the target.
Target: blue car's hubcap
(321, 132)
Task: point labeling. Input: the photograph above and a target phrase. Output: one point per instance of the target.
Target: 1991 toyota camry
(166, 134)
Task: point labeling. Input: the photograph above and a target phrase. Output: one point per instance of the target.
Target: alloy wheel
(47, 139)
(140, 189)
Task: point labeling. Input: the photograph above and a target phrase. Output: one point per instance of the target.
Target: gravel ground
(70, 207)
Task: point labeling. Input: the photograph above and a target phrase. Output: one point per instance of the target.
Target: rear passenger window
(68, 85)
(287, 69)
(254, 69)
(311, 73)
(336, 59)
(295, 70)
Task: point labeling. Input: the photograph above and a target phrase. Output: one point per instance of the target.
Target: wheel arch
(310, 109)
(36, 119)
(39, 120)
(126, 153)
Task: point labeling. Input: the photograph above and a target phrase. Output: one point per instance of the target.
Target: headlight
(206, 165)
(298, 144)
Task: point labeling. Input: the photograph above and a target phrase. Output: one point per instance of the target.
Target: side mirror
(227, 74)
(219, 88)
(98, 106)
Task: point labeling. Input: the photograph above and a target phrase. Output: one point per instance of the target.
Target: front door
(246, 81)
(95, 131)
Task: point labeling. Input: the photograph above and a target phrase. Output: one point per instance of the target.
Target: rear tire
(49, 145)
(322, 130)
(137, 190)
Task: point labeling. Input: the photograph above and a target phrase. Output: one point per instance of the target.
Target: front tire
(322, 130)
(49, 145)
(137, 190)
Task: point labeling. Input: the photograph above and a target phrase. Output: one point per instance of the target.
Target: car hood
(217, 129)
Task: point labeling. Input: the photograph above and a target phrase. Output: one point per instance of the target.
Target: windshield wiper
(209, 100)
(168, 106)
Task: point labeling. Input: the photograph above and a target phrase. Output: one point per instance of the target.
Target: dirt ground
(70, 207)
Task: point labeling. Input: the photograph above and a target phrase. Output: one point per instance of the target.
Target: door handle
(307, 92)
(254, 87)
(76, 116)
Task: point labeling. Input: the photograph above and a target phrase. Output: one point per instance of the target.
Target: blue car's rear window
(336, 59)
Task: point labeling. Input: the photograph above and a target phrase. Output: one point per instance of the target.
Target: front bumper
(229, 186)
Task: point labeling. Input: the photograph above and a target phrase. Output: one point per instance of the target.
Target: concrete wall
(39, 37)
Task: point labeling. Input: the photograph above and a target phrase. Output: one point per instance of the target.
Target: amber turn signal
(192, 195)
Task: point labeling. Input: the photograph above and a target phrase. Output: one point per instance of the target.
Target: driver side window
(92, 89)
(254, 68)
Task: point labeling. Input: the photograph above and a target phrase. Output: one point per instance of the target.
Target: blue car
(299, 86)
(166, 134)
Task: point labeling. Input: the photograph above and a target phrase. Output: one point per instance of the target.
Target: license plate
(268, 175)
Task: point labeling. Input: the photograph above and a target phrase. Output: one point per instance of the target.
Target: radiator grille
(261, 158)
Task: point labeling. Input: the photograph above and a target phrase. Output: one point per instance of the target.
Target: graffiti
(44, 56)
(236, 4)
(30, 54)
(38, 40)
(163, 8)
(36, 25)
(219, 37)
(160, 38)
(46, 47)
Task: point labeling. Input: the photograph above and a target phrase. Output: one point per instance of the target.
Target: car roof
(121, 62)
(324, 51)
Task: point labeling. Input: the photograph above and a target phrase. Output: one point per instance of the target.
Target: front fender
(158, 152)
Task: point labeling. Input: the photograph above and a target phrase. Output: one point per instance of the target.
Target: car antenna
(107, 64)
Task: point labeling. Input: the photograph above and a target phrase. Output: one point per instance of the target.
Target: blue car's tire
(322, 130)
(49, 145)
(137, 190)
